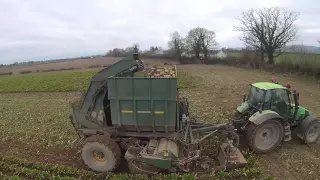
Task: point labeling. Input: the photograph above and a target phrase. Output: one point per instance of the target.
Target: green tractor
(268, 115)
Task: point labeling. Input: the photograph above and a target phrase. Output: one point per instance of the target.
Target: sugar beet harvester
(144, 120)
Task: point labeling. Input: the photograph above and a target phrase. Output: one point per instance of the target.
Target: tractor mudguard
(258, 118)
(302, 113)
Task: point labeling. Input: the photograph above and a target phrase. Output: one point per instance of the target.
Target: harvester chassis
(172, 150)
(227, 155)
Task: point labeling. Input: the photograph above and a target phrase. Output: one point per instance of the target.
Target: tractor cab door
(280, 103)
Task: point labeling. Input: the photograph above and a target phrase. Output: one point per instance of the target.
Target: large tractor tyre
(310, 130)
(101, 156)
(265, 137)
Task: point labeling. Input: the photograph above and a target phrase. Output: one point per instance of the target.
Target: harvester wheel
(101, 156)
(265, 137)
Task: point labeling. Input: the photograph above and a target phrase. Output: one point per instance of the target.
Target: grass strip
(63, 81)
(25, 169)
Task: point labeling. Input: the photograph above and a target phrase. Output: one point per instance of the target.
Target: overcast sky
(38, 29)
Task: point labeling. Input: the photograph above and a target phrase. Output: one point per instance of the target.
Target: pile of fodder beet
(77, 101)
(162, 72)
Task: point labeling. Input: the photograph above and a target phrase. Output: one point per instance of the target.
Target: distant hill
(292, 48)
(303, 48)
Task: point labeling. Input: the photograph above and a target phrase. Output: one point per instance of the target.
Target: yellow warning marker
(127, 111)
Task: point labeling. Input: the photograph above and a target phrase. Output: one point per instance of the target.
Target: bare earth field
(76, 64)
(36, 125)
(217, 94)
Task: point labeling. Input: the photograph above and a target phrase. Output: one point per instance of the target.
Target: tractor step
(287, 133)
(287, 138)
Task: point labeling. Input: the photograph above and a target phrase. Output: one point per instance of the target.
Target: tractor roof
(268, 85)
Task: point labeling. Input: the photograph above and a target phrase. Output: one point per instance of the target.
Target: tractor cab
(271, 96)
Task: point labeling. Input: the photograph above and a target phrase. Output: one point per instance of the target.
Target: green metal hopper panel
(143, 104)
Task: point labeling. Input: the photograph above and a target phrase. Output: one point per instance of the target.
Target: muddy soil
(35, 153)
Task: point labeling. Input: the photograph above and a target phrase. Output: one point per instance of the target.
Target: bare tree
(129, 50)
(176, 44)
(109, 53)
(116, 52)
(153, 48)
(208, 41)
(201, 40)
(193, 42)
(268, 29)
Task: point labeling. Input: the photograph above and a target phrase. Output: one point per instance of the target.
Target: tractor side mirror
(288, 85)
(296, 94)
(296, 98)
(244, 97)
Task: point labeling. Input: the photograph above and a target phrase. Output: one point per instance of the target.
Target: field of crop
(37, 137)
(58, 81)
(74, 65)
(51, 81)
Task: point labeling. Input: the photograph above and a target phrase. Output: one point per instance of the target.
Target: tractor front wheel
(312, 132)
(265, 137)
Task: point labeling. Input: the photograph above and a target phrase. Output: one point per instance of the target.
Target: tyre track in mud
(34, 153)
(292, 160)
(271, 165)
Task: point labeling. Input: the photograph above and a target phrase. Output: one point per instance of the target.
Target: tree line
(266, 31)
(135, 48)
(198, 40)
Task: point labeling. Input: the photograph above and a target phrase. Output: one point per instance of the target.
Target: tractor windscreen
(255, 96)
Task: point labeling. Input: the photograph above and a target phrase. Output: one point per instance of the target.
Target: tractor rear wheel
(265, 137)
(101, 156)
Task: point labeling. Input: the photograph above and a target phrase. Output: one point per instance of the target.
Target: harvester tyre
(265, 137)
(101, 156)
